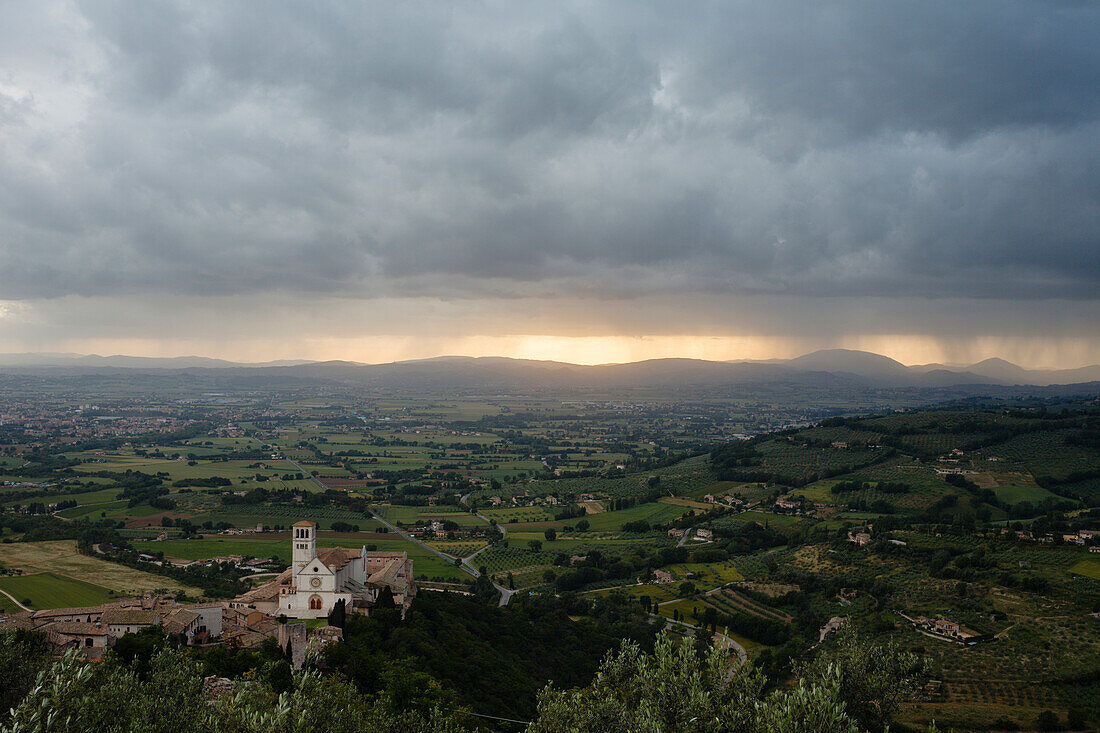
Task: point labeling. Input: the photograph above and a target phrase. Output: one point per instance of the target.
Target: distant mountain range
(129, 362)
(820, 368)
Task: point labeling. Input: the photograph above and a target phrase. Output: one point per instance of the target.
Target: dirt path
(9, 595)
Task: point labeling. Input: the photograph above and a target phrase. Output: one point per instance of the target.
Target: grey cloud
(825, 149)
(957, 69)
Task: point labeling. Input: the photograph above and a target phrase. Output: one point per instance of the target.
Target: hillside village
(317, 584)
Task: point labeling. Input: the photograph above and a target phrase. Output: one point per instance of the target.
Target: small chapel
(318, 579)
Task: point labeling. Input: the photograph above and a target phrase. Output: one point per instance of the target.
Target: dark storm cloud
(890, 148)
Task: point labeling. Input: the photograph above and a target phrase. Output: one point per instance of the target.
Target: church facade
(318, 579)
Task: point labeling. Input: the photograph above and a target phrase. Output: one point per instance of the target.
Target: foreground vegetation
(676, 688)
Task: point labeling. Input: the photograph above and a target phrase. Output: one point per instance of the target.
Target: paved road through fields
(505, 593)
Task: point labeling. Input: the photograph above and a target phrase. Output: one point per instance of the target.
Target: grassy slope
(47, 590)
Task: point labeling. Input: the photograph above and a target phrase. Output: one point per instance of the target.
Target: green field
(400, 514)
(654, 512)
(88, 497)
(209, 547)
(47, 590)
(658, 592)
(706, 575)
(424, 562)
(519, 514)
(1088, 567)
(249, 515)
(1015, 492)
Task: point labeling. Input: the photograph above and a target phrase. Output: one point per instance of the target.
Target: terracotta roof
(266, 592)
(76, 628)
(129, 616)
(305, 523)
(183, 615)
(378, 555)
(84, 610)
(16, 621)
(178, 621)
(337, 557)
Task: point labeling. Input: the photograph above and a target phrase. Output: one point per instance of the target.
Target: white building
(319, 579)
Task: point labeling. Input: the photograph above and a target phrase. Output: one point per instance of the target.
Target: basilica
(318, 579)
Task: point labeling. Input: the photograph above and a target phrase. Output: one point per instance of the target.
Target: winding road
(505, 593)
(742, 655)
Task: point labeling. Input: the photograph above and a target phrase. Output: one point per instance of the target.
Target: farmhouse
(318, 579)
(836, 623)
(859, 538)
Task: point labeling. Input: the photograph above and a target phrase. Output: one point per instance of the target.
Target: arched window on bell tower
(304, 544)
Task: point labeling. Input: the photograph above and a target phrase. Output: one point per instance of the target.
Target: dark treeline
(493, 659)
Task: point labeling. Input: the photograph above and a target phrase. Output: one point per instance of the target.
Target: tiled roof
(129, 616)
(177, 621)
(77, 628)
(84, 610)
(337, 557)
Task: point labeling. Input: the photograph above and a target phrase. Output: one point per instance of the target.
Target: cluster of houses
(1081, 537)
(727, 500)
(699, 534)
(525, 499)
(436, 529)
(93, 629)
(310, 588)
(786, 506)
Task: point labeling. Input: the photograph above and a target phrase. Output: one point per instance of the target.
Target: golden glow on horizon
(908, 349)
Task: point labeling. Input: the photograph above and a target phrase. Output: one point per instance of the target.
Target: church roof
(337, 557)
(269, 591)
(305, 523)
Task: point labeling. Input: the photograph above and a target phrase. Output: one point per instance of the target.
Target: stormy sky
(579, 181)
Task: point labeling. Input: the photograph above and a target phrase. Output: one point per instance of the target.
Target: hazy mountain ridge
(820, 368)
